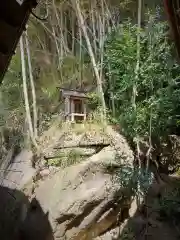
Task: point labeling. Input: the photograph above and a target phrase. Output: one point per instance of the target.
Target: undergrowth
(127, 234)
(169, 206)
(66, 159)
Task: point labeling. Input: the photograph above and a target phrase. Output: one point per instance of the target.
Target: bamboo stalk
(32, 86)
(26, 99)
(82, 25)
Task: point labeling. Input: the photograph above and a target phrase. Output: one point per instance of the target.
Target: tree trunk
(26, 100)
(35, 118)
(134, 94)
(82, 25)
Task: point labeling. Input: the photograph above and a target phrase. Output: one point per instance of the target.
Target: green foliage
(127, 234)
(12, 105)
(11, 89)
(66, 159)
(169, 205)
(156, 82)
(93, 100)
(134, 179)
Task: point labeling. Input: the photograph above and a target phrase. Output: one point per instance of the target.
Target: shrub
(157, 91)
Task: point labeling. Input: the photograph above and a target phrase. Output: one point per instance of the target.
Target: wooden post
(72, 117)
(67, 107)
(72, 109)
(72, 106)
(85, 110)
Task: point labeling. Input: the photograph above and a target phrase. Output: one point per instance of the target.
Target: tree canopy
(158, 93)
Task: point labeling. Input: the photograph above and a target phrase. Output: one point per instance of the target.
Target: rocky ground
(84, 200)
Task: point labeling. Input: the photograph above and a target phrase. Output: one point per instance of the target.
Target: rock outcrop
(82, 201)
(19, 171)
(87, 199)
(15, 208)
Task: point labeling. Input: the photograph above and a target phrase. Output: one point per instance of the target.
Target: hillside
(90, 125)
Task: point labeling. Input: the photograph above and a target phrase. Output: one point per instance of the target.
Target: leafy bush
(157, 91)
(169, 206)
(93, 100)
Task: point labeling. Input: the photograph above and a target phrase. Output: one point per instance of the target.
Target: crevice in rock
(66, 217)
(78, 219)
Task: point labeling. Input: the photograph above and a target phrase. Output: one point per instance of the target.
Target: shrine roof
(73, 93)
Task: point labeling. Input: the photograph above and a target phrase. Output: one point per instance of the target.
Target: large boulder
(83, 140)
(19, 171)
(83, 201)
(86, 200)
(15, 207)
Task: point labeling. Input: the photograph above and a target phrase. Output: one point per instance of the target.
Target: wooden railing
(72, 116)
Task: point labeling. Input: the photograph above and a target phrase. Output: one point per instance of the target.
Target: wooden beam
(91, 145)
(78, 114)
(98, 148)
(59, 156)
(171, 10)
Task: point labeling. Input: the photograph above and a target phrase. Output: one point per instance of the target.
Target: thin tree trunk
(134, 94)
(60, 25)
(35, 118)
(77, 8)
(93, 6)
(111, 93)
(57, 46)
(102, 37)
(80, 56)
(110, 19)
(73, 32)
(65, 49)
(66, 30)
(27, 108)
(138, 54)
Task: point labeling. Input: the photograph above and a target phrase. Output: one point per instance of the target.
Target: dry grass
(90, 131)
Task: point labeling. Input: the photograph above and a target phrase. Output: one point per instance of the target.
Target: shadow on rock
(21, 219)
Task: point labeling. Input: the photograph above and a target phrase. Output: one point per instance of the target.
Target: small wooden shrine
(74, 105)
